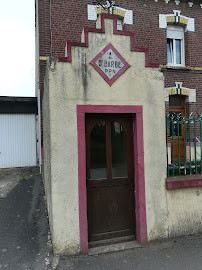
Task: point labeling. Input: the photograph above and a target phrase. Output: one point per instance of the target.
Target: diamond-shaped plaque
(110, 64)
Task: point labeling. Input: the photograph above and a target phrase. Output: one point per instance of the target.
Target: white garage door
(17, 140)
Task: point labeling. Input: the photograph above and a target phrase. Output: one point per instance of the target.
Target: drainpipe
(39, 128)
(50, 29)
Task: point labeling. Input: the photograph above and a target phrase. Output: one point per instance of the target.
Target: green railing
(183, 144)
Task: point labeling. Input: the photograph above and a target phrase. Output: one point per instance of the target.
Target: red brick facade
(68, 17)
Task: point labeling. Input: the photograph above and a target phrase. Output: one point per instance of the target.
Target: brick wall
(190, 79)
(68, 17)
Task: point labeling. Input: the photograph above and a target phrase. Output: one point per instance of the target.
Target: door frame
(139, 178)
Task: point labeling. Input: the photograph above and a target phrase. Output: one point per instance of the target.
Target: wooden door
(177, 109)
(110, 183)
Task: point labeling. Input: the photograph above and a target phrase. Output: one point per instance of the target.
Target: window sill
(175, 67)
(184, 181)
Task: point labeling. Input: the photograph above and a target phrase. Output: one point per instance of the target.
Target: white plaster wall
(169, 154)
(185, 211)
(198, 153)
(79, 83)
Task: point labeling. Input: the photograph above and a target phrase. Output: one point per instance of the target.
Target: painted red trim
(140, 201)
(82, 182)
(187, 181)
(63, 59)
(102, 30)
(109, 109)
(42, 153)
(126, 65)
(193, 144)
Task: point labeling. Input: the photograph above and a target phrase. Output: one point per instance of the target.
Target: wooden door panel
(107, 183)
(181, 145)
(111, 211)
(179, 108)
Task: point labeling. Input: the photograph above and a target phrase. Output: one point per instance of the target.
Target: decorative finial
(106, 5)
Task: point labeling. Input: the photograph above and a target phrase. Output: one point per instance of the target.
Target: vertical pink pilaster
(140, 201)
(82, 182)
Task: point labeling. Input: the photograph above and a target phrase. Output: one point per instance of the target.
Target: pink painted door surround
(139, 179)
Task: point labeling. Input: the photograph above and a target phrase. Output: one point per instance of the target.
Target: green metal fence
(183, 144)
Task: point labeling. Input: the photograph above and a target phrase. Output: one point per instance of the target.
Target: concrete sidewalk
(183, 253)
(24, 232)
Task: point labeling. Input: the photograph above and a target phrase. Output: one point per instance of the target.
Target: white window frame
(174, 33)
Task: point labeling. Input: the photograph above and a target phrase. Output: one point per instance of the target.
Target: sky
(17, 48)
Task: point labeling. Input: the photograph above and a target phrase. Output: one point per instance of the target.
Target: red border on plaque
(119, 73)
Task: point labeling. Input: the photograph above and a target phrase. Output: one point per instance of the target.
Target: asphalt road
(25, 239)
(24, 242)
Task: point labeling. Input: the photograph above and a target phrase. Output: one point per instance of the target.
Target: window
(175, 46)
(119, 24)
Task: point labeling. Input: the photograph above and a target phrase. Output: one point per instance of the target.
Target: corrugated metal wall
(17, 140)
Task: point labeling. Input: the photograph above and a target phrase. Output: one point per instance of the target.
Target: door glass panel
(176, 118)
(119, 150)
(175, 101)
(98, 151)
